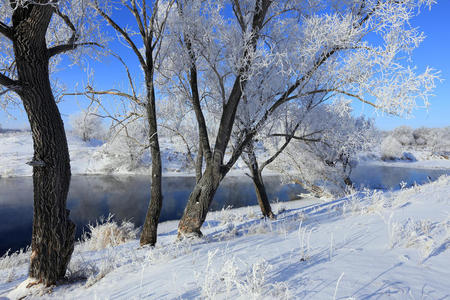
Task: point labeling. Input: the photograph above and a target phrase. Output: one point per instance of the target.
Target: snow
(371, 244)
(16, 149)
(94, 157)
(441, 164)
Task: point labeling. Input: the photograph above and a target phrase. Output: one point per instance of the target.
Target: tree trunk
(53, 232)
(199, 163)
(201, 197)
(150, 228)
(199, 202)
(258, 182)
(348, 181)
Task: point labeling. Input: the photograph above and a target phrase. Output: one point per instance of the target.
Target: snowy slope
(370, 245)
(16, 149)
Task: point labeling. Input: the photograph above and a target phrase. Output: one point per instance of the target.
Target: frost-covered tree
(391, 148)
(87, 125)
(404, 135)
(433, 140)
(32, 36)
(280, 130)
(323, 161)
(275, 52)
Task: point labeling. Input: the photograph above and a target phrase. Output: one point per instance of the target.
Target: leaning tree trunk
(150, 228)
(199, 202)
(258, 182)
(53, 232)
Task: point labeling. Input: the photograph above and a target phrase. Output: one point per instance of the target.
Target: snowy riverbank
(16, 148)
(88, 158)
(367, 245)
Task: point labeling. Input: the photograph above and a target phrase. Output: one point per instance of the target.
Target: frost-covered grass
(107, 233)
(370, 244)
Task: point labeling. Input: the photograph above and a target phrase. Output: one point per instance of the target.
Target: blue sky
(433, 52)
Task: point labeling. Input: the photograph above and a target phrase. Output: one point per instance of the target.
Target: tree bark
(53, 232)
(150, 229)
(199, 202)
(199, 164)
(260, 189)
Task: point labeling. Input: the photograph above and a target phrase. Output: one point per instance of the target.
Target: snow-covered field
(16, 148)
(370, 245)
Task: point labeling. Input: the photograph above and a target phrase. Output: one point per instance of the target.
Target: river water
(127, 197)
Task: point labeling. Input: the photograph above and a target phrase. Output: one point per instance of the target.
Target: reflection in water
(127, 197)
(91, 197)
(387, 177)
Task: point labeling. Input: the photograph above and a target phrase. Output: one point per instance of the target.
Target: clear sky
(433, 52)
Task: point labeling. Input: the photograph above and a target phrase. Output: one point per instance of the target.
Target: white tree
(143, 38)
(391, 148)
(324, 159)
(275, 52)
(88, 125)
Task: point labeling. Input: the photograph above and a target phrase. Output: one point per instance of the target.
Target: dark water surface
(390, 177)
(127, 197)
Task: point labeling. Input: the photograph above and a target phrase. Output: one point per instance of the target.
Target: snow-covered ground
(371, 245)
(16, 148)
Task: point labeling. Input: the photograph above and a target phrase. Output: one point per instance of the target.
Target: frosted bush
(412, 233)
(161, 254)
(15, 259)
(254, 284)
(390, 148)
(226, 278)
(107, 233)
(404, 135)
(106, 266)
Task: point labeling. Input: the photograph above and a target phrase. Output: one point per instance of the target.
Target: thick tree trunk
(150, 228)
(199, 202)
(53, 232)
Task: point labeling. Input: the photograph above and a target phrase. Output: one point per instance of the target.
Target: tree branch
(6, 30)
(289, 138)
(107, 92)
(124, 35)
(10, 84)
(67, 47)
